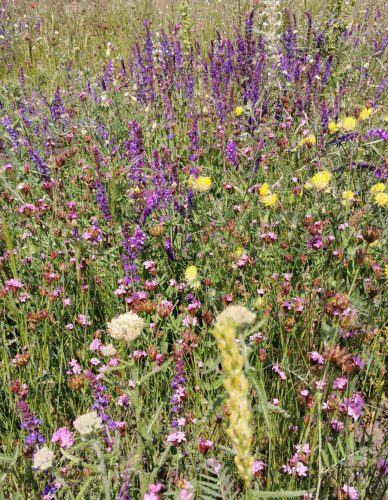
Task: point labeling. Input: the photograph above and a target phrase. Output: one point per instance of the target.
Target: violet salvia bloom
(31, 425)
(151, 203)
(378, 134)
(100, 400)
(13, 134)
(135, 153)
(324, 115)
(57, 108)
(132, 246)
(50, 489)
(231, 153)
(380, 89)
(169, 249)
(344, 138)
(39, 162)
(194, 140)
(102, 200)
(328, 66)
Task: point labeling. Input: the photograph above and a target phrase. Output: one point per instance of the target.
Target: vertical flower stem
(104, 476)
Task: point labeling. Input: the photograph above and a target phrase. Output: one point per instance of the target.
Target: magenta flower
(350, 492)
(176, 438)
(63, 437)
(276, 368)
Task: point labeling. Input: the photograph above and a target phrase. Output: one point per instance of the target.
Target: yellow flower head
(191, 274)
(239, 251)
(321, 180)
(348, 195)
(377, 188)
(264, 190)
(203, 184)
(269, 200)
(381, 199)
(333, 127)
(239, 111)
(310, 140)
(349, 123)
(365, 113)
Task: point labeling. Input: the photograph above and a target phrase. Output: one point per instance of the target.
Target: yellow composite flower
(333, 127)
(239, 251)
(202, 184)
(349, 123)
(264, 190)
(347, 197)
(321, 180)
(191, 274)
(381, 199)
(270, 200)
(310, 140)
(239, 110)
(377, 188)
(365, 114)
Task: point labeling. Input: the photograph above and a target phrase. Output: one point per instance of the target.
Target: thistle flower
(202, 184)
(127, 326)
(377, 188)
(347, 197)
(321, 180)
(191, 274)
(310, 141)
(236, 384)
(264, 190)
(333, 127)
(270, 200)
(365, 114)
(349, 123)
(381, 199)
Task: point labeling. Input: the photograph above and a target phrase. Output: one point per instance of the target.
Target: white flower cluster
(273, 21)
(127, 326)
(107, 350)
(239, 315)
(43, 459)
(85, 424)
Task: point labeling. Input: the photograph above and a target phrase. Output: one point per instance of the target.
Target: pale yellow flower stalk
(236, 385)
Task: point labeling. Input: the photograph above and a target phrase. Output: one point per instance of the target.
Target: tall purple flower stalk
(177, 384)
(31, 425)
(101, 194)
(57, 108)
(132, 245)
(231, 153)
(169, 249)
(100, 401)
(135, 153)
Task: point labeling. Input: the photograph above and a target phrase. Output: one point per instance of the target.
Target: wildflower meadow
(193, 249)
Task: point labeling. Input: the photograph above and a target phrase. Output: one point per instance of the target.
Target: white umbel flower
(85, 424)
(127, 326)
(43, 459)
(239, 315)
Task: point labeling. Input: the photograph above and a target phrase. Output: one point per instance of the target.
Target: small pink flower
(257, 467)
(63, 437)
(351, 493)
(176, 438)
